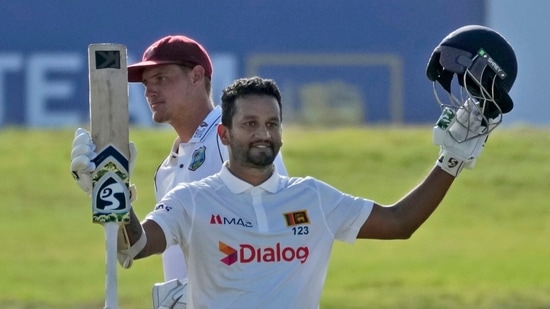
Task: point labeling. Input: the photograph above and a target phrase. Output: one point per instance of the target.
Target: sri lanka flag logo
(296, 218)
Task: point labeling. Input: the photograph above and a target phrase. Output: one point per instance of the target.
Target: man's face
(167, 88)
(255, 136)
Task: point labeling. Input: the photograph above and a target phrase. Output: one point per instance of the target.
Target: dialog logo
(247, 253)
(231, 254)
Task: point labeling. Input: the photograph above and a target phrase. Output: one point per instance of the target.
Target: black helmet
(482, 53)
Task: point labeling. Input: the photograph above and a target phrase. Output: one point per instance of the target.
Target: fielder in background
(176, 72)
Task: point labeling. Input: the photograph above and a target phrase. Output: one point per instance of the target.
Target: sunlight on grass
(485, 247)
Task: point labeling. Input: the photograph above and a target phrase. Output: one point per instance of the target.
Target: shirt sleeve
(344, 213)
(174, 216)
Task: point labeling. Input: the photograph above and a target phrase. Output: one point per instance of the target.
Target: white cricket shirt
(202, 156)
(258, 247)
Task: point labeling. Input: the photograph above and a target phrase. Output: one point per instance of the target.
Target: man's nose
(263, 132)
(149, 92)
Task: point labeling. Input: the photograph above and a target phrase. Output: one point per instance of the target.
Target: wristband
(450, 164)
(127, 253)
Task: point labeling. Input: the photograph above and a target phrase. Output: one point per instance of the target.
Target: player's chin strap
(125, 252)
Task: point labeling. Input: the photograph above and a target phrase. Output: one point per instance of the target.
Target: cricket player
(254, 238)
(176, 72)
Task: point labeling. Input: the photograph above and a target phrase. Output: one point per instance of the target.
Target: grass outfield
(487, 246)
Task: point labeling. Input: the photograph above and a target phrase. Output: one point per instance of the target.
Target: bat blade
(109, 120)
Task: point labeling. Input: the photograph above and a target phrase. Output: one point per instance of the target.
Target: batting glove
(82, 154)
(82, 165)
(170, 295)
(461, 136)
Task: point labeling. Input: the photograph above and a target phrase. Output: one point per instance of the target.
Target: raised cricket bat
(108, 81)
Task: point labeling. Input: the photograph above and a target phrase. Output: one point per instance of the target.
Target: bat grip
(111, 293)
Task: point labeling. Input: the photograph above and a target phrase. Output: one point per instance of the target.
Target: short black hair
(247, 86)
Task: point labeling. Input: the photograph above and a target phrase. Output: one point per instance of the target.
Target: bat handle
(111, 293)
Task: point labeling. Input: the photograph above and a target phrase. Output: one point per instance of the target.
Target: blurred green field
(485, 247)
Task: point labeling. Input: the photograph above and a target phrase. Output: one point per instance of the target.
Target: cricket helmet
(484, 63)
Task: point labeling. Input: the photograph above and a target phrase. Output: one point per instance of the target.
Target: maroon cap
(176, 49)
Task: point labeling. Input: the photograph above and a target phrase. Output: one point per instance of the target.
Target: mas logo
(217, 219)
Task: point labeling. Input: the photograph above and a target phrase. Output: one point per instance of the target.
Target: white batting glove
(82, 154)
(170, 295)
(82, 165)
(461, 136)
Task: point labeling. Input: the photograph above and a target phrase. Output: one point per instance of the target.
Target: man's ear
(198, 73)
(223, 133)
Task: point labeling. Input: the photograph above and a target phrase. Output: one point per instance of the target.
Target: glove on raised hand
(82, 165)
(461, 136)
(82, 154)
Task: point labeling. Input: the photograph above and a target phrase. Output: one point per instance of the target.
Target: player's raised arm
(485, 66)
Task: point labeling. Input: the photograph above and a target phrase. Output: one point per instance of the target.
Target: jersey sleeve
(174, 216)
(344, 213)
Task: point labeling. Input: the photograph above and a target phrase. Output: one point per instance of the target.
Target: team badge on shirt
(198, 158)
(201, 130)
(296, 218)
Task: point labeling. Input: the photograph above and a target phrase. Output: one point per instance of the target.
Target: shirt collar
(210, 122)
(238, 186)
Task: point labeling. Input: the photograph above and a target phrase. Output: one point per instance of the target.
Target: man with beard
(256, 239)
